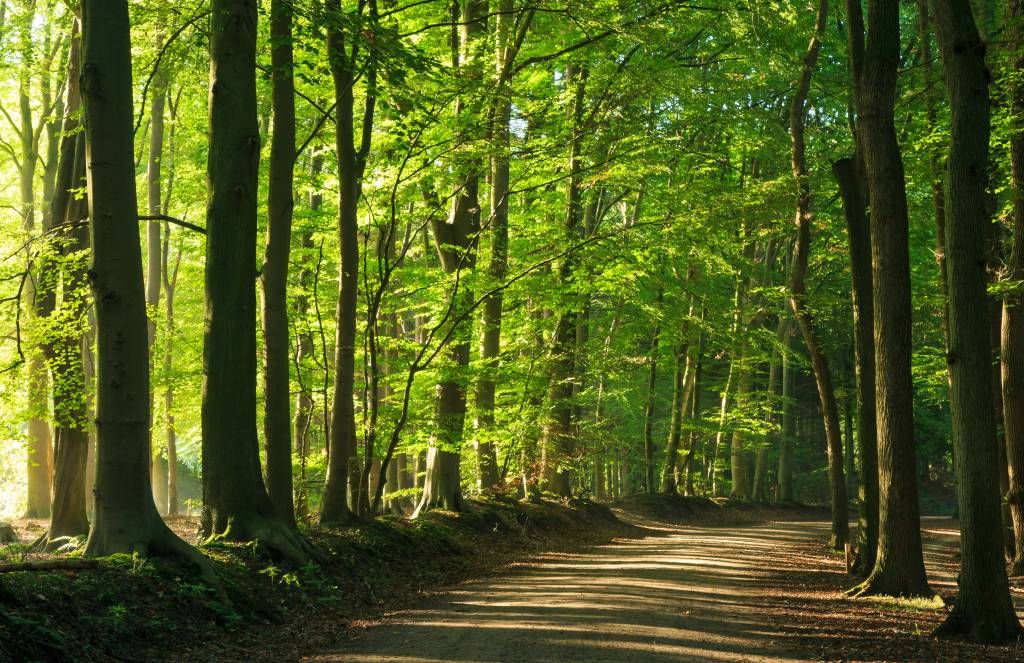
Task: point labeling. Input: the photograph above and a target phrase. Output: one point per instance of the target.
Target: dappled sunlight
(690, 594)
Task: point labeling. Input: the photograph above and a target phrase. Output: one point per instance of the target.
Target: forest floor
(669, 579)
(752, 592)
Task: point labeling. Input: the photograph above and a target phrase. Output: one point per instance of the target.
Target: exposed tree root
(272, 535)
(879, 584)
(156, 540)
(993, 629)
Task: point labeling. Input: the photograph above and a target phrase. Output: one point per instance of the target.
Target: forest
(312, 311)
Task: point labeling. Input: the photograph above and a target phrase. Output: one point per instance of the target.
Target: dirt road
(686, 594)
(741, 593)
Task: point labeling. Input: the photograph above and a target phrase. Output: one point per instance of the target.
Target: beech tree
(983, 609)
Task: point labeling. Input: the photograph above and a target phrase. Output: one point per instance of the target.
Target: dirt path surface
(687, 593)
(743, 593)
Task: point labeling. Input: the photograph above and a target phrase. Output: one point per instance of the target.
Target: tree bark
(798, 290)
(899, 567)
(490, 321)
(126, 519)
(455, 243)
(984, 610)
(785, 492)
(558, 443)
(1012, 340)
(652, 383)
(154, 253)
(342, 469)
(64, 350)
(274, 275)
(859, 233)
(236, 504)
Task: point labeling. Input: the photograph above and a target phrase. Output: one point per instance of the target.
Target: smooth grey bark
(126, 519)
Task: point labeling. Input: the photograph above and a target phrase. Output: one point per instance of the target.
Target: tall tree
(342, 469)
(850, 183)
(125, 518)
(899, 566)
(455, 241)
(559, 441)
(68, 320)
(236, 504)
(984, 610)
(274, 275)
(798, 288)
(1012, 338)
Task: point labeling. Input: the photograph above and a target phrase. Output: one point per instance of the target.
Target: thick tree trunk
(899, 567)
(236, 504)
(274, 275)
(984, 610)
(126, 520)
(859, 233)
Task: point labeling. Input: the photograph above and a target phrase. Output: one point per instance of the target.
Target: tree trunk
(64, 351)
(153, 254)
(490, 322)
(785, 492)
(126, 520)
(236, 504)
(274, 275)
(899, 567)
(652, 380)
(558, 442)
(1012, 355)
(798, 290)
(984, 610)
(342, 466)
(40, 450)
(859, 233)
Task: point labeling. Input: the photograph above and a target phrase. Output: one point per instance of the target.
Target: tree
(66, 322)
(1012, 337)
(984, 610)
(899, 566)
(850, 183)
(342, 470)
(125, 519)
(274, 275)
(798, 290)
(235, 502)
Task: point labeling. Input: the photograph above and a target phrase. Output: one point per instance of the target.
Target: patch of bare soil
(808, 606)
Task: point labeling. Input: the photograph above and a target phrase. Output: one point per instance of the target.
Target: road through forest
(738, 593)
